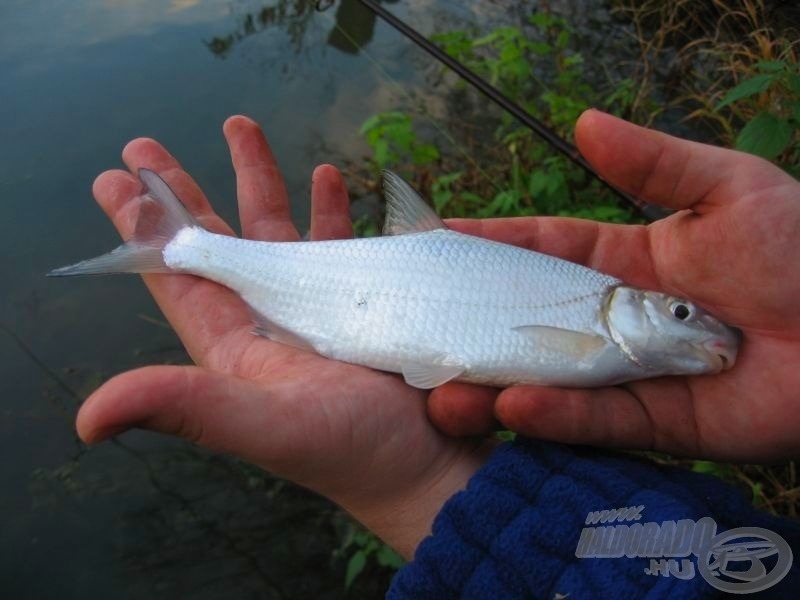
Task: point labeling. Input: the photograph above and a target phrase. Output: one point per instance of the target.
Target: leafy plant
(733, 70)
(536, 68)
(363, 227)
(393, 140)
(364, 547)
(442, 190)
(774, 92)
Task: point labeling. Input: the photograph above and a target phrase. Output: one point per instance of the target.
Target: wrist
(405, 519)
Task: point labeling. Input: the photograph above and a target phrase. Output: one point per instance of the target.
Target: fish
(431, 303)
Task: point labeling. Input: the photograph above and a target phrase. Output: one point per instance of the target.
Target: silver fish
(431, 303)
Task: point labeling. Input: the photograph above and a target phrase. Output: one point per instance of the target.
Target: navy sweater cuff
(514, 531)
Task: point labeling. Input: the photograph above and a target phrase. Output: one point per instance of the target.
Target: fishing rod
(648, 211)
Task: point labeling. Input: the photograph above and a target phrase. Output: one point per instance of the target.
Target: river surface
(145, 516)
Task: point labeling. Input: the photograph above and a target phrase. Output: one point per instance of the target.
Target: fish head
(670, 334)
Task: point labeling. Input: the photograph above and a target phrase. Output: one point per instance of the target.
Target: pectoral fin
(427, 376)
(581, 347)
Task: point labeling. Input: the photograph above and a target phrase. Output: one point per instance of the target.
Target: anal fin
(427, 376)
(266, 328)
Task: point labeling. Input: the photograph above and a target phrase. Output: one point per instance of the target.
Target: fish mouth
(722, 353)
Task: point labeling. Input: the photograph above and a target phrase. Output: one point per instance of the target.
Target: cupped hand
(732, 247)
(358, 436)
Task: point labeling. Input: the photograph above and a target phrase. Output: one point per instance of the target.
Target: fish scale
(386, 302)
(430, 303)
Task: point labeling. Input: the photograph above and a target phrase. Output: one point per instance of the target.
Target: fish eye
(681, 311)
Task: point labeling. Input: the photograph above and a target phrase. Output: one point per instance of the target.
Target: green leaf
(369, 124)
(540, 48)
(793, 83)
(555, 181)
(796, 113)
(518, 68)
(381, 149)
(510, 53)
(606, 212)
(505, 436)
(424, 154)
(500, 205)
(770, 66)
(765, 136)
(542, 19)
(440, 199)
(708, 467)
(387, 557)
(355, 566)
(473, 198)
(537, 183)
(487, 39)
(758, 493)
(441, 193)
(448, 179)
(749, 87)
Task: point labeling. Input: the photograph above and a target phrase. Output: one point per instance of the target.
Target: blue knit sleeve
(516, 530)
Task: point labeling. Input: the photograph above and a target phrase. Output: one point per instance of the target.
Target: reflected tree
(353, 28)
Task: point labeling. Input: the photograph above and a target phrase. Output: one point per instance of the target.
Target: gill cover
(669, 335)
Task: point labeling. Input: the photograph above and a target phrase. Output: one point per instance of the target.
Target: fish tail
(161, 217)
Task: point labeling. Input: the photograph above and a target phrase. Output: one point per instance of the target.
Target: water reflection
(293, 16)
(353, 28)
(79, 23)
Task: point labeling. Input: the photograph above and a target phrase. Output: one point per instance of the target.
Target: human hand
(732, 248)
(356, 435)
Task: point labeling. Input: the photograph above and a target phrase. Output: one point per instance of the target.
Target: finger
(220, 412)
(651, 415)
(263, 200)
(147, 153)
(462, 409)
(666, 170)
(330, 206)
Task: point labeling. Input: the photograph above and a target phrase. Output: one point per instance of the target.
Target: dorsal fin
(406, 211)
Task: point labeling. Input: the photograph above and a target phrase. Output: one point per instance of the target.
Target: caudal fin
(161, 216)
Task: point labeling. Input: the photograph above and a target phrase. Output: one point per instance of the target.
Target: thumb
(667, 170)
(218, 411)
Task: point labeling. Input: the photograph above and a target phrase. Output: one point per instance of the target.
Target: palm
(322, 423)
(733, 252)
(337, 413)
